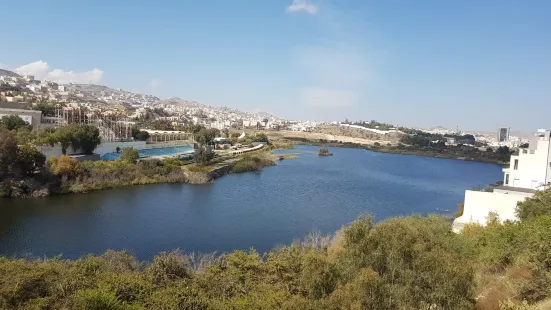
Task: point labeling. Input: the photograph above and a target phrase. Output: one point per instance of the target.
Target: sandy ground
(314, 135)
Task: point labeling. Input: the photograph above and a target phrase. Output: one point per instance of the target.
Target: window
(507, 179)
(516, 164)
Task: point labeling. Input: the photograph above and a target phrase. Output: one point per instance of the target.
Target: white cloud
(328, 98)
(155, 83)
(42, 71)
(38, 68)
(302, 5)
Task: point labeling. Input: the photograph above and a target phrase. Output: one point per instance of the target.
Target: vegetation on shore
(251, 163)
(498, 156)
(324, 152)
(25, 171)
(410, 262)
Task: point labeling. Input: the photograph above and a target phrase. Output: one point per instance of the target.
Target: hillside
(177, 103)
(8, 73)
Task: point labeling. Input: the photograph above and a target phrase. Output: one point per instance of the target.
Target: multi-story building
(531, 168)
(529, 171)
(503, 134)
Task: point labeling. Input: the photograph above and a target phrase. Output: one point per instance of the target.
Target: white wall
(50, 151)
(479, 204)
(103, 148)
(111, 147)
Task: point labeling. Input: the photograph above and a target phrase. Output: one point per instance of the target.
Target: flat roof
(19, 110)
(516, 189)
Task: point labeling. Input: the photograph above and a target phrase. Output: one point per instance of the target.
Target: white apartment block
(529, 171)
(531, 168)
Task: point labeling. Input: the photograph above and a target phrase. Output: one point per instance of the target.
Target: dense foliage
(87, 176)
(83, 138)
(251, 163)
(14, 122)
(129, 155)
(139, 135)
(22, 166)
(203, 154)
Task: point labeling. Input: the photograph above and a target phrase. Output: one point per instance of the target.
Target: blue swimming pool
(160, 151)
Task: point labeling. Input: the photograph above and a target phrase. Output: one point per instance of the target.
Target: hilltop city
(24, 91)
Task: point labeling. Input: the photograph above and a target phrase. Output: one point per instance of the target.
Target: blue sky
(472, 64)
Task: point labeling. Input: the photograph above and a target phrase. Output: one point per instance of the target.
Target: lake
(256, 209)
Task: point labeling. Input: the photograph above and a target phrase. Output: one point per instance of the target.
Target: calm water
(261, 210)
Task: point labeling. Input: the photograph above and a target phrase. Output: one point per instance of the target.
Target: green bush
(538, 205)
(251, 163)
(94, 299)
(129, 155)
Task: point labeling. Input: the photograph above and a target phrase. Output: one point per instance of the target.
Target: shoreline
(395, 150)
(208, 174)
(186, 174)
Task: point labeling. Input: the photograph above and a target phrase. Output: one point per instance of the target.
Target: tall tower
(503, 134)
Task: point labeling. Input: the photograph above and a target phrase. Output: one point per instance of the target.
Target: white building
(528, 172)
(531, 168)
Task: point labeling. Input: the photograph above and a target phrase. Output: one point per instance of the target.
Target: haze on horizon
(468, 64)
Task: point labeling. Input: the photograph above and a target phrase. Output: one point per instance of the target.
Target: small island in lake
(324, 152)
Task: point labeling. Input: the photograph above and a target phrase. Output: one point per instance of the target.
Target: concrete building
(529, 171)
(33, 117)
(503, 134)
(531, 168)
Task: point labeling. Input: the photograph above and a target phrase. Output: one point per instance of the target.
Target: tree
(226, 133)
(260, 137)
(129, 155)
(85, 138)
(205, 136)
(47, 109)
(64, 137)
(203, 154)
(537, 205)
(503, 150)
(29, 160)
(14, 122)
(142, 136)
(8, 152)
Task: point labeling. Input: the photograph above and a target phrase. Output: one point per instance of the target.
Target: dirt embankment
(336, 133)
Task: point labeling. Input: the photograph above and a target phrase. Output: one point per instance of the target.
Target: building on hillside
(528, 172)
(503, 134)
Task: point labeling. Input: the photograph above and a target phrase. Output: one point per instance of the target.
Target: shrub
(94, 299)
(174, 161)
(65, 166)
(168, 267)
(251, 163)
(537, 205)
(203, 154)
(129, 155)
